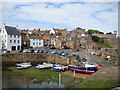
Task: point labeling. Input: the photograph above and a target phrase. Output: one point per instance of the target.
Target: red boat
(83, 71)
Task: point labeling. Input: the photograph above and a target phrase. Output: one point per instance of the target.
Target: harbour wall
(12, 59)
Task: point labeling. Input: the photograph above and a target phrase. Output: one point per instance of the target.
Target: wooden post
(74, 73)
(86, 71)
(59, 79)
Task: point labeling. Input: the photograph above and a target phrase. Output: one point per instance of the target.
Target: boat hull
(58, 69)
(83, 70)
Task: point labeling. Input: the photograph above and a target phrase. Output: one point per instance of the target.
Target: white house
(54, 30)
(36, 41)
(11, 38)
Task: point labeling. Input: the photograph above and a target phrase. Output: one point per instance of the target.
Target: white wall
(52, 32)
(6, 40)
(36, 43)
(16, 38)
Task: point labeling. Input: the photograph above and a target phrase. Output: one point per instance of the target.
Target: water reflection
(12, 79)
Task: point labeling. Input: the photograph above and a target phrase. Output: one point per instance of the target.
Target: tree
(91, 31)
(95, 38)
(109, 33)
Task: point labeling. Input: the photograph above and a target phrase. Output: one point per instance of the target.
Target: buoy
(99, 64)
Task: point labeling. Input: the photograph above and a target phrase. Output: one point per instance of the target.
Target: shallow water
(11, 79)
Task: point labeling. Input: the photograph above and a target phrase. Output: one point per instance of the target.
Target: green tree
(95, 38)
(109, 33)
(91, 31)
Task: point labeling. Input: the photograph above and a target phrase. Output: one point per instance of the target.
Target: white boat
(23, 65)
(60, 68)
(48, 64)
(40, 66)
(44, 65)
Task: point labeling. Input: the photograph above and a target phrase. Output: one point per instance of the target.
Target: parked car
(36, 51)
(54, 52)
(26, 51)
(32, 51)
(60, 53)
(52, 47)
(41, 51)
(65, 54)
(93, 53)
(6, 51)
(45, 51)
(20, 50)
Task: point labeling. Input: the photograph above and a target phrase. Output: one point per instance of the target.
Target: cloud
(95, 15)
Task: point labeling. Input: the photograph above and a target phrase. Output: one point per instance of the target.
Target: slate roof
(12, 30)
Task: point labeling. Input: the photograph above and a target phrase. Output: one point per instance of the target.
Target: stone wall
(12, 59)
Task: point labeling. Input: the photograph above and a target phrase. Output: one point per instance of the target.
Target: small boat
(87, 69)
(44, 66)
(48, 64)
(60, 68)
(23, 65)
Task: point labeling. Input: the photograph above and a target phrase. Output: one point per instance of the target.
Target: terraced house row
(12, 38)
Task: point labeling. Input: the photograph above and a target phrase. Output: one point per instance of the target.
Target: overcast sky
(47, 15)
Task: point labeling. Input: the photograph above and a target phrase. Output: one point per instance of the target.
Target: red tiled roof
(46, 37)
(92, 44)
(62, 30)
(45, 31)
(36, 30)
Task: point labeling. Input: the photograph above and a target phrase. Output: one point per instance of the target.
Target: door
(13, 47)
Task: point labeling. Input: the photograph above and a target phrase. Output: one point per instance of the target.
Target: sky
(101, 16)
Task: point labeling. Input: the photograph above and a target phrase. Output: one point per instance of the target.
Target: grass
(47, 75)
(98, 83)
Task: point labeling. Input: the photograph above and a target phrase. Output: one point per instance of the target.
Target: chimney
(4, 24)
(17, 27)
(115, 32)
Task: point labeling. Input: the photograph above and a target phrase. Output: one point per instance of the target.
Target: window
(10, 35)
(18, 36)
(14, 36)
(10, 41)
(39, 43)
(14, 41)
(18, 41)
(33, 43)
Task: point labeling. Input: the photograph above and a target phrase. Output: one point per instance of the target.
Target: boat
(23, 65)
(59, 67)
(48, 64)
(87, 69)
(44, 65)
